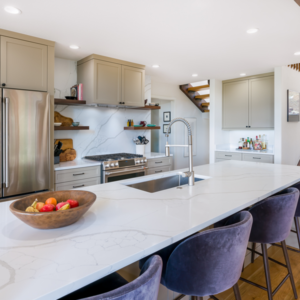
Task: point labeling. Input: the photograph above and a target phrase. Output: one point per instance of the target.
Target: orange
(51, 201)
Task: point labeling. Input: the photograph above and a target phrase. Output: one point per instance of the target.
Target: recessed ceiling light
(74, 47)
(297, 53)
(242, 74)
(252, 30)
(12, 10)
(195, 75)
(155, 66)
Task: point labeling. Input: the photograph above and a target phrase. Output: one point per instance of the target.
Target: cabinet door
(133, 86)
(23, 64)
(107, 82)
(261, 102)
(235, 105)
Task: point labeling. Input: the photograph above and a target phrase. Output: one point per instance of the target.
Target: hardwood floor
(255, 272)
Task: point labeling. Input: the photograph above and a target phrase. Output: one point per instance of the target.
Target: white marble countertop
(151, 155)
(230, 149)
(124, 225)
(77, 163)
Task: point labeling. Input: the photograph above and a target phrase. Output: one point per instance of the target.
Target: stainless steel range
(119, 166)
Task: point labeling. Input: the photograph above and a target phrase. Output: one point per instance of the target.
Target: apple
(47, 208)
(73, 203)
(39, 205)
(60, 205)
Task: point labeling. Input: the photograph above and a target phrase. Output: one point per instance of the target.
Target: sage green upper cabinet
(261, 102)
(133, 86)
(249, 103)
(23, 64)
(235, 104)
(108, 81)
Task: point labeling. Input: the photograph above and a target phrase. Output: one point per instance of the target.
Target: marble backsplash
(106, 134)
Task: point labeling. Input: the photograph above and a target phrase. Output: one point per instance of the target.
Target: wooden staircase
(194, 94)
(295, 66)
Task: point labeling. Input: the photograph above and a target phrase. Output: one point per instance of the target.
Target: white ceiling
(207, 37)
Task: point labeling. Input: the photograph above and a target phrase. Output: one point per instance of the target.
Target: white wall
(183, 107)
(287, 142)
(106, 134)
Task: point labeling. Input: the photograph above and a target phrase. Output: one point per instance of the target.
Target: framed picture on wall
(167, 116)
(165, 128)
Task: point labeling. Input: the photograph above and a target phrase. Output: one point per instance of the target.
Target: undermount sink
(160, 184)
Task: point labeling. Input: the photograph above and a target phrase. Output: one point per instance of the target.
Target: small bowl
(57, 124)
(55, 219)
(75, 124)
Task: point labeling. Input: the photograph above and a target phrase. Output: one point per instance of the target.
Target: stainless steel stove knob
(142, 161)
(145, 160)
(137, 161)
(116, 164)
(112, 165)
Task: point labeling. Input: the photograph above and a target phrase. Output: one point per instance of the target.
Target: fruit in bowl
(46, 218)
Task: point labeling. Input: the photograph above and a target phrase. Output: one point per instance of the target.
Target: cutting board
(67, 143)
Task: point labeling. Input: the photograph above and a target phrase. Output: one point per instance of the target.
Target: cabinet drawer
(158, 170)
(76, 174)
(258, 158)
(77, 184)
(229, 155)
(159, 162)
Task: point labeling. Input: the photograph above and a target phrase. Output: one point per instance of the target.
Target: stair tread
(198, 88)
(205, 104)
(202, 96)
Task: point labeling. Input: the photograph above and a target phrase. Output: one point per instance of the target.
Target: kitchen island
(124, 225)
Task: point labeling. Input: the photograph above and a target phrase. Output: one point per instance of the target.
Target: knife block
(56, 160)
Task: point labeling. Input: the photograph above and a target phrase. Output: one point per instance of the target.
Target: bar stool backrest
(273, 217)
(297, 213)
(144, 287)
(210, 262)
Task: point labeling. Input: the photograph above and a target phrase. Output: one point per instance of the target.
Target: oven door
(121, 174)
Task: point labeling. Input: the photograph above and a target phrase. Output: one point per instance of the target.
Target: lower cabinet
(263, 158)
(159, 165)
(75, 178)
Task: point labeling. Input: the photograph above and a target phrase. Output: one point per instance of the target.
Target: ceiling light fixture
(297, 53)
(195, 75)
(12, 10)
(155, 66)
(243, 74)
(252, 30)
(74, 47)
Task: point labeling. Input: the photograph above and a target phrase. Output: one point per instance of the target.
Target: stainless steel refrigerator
(24, 150)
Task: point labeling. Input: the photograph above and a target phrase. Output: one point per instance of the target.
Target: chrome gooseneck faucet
(190, 173)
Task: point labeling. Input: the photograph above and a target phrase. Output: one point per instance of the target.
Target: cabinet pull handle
(77, 186)
(158, 171)
(257, 157)
(228, 155)
(158, 162)
(78, 174)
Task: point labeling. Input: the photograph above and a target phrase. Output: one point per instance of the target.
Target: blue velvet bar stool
(208, 262)
(115, 287)
(272, 222)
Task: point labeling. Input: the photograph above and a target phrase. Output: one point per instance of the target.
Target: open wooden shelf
(148, 107)
(71, 127)
(69, 102)
(141, 128)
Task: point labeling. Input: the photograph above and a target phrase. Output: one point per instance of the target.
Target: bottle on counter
(241, 142)
(264, 142)
(257, 144)
(132, 123)
(248, 142)
(251, 144)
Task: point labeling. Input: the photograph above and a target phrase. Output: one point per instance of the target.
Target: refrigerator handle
(5, 152)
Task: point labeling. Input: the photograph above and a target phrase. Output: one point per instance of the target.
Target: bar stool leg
(196, 298)
(237, 293)
(287, 260)
(267, 270)
(253, 254)
(297, 229)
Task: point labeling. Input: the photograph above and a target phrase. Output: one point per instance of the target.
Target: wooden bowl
(55, 219)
